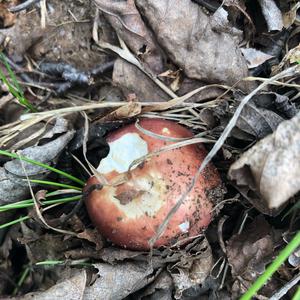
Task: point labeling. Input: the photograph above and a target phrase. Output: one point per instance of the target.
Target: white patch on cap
(165, 130)
(122, 153)
(184, 227)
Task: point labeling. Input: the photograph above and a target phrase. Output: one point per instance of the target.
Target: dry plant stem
(147, 106)
(125, 53)
(129, 57)
(288, 72)
(275, 82)
(99, 176)
(22, 6)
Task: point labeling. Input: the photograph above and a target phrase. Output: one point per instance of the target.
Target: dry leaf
(131, 80)
(127, 22)
(185, 32)
(255, 57)
(272, 15)
(160, 289)
(248, 253)
(13, 188)
(70, 288)
(268, 174)
(290, 16)
(7, 18)
(116, 282)
(132, 109)
(193, 266)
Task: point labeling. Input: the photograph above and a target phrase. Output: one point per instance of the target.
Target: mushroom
(131, 207)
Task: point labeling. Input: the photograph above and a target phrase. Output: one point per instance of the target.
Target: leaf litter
(190, 61)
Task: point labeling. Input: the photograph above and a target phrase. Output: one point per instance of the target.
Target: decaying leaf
(116, 282)
(69, 288)
(13, 188)
(123, 112)
(127, 22)
(7, 18)
(290, 16)
(161, 288)
(272, 14)
(185, 32)
(255, 57)
(253, 123)
(248, 253)
(258, 122)
(193, 266)
(131, 80)
(268, 174)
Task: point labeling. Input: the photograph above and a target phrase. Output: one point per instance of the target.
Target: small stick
(22, 6)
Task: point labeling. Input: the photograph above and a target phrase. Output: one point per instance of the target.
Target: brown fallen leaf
(161, 288)
(69, 288)
(131, 80)
(268, 174)
(127, 22)
(123, 112)
(193, 266)
(116, 282)
(248, 253)
(7, 18)
(185, 32)
(289, 17)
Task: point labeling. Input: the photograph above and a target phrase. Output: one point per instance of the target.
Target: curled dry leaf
(129, 111)
(256, 121)
(13, 188)
(253, 123)
(268, 174)
(249, 252)
(186, 33)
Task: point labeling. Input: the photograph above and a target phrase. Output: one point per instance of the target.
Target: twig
(23, 6)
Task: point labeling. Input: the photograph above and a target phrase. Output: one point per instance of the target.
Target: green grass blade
(47, 202)
(273, 267)
(37, 163)
(14, 222)
(11, 74)
(20, 282)
(15, 90)
(30, 203)
(80, 262)
(297, 294)
(53, 183)
(49, 262)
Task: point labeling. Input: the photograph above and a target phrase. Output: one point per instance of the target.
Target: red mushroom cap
(130, 213)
